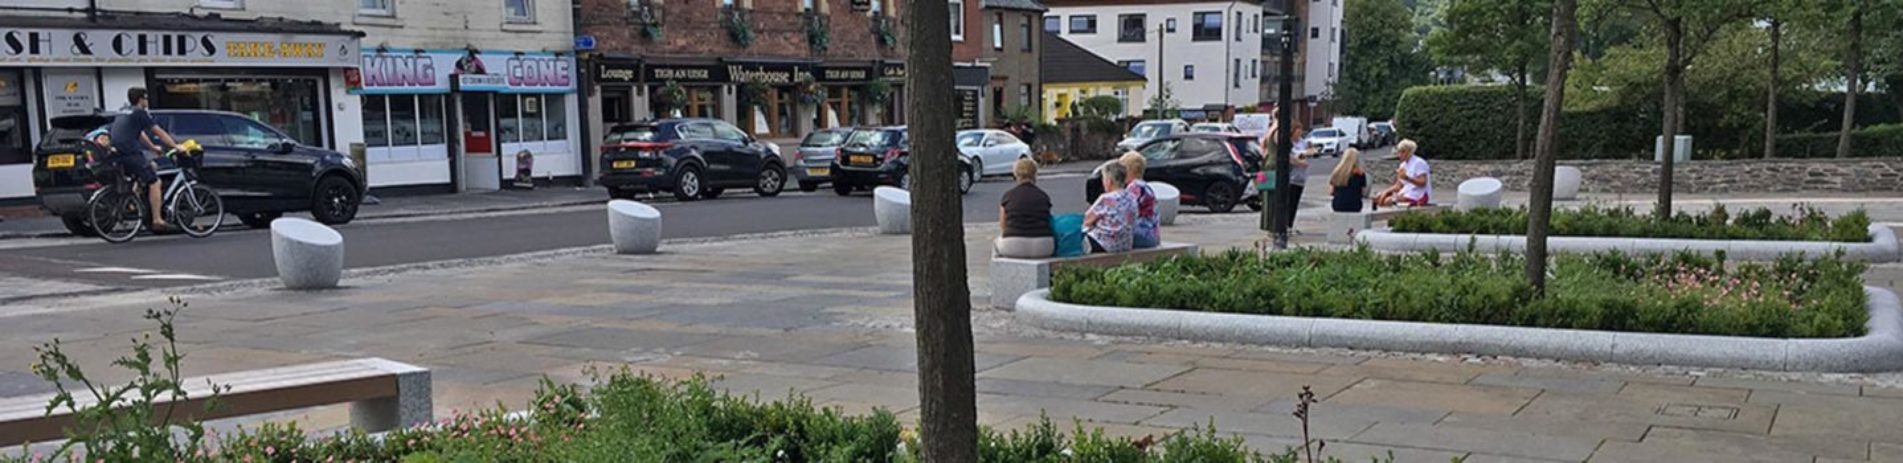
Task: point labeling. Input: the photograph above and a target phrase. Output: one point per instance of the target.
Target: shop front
(286, 74)
(464, 118)
(769, 94)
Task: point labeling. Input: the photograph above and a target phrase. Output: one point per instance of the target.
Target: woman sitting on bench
(1024, 217)
(1110, 222)
(1411, 180)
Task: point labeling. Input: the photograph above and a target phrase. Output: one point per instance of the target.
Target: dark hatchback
(693, 158)
(882, 156)
(260, 172)
(1211, 170)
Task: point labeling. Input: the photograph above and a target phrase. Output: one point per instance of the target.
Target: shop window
(13, 121)
(431, 122)
(1130, 28)
(403, 121)
(518, 11)
(555, 115)
(1206, 26)
(509, 111)
(376, 121)
(376, 7)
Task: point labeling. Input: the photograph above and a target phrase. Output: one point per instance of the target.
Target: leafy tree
(1380, 58)
(1777, 14)
(1864, 17)
(1503, 36)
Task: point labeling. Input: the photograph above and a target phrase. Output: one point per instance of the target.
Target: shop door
(482, 170)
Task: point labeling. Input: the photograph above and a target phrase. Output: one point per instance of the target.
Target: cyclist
(129, 137)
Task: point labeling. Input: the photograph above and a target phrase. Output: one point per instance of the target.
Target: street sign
(584, 42)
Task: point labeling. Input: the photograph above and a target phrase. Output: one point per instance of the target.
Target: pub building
(288, 74)
(793, 97)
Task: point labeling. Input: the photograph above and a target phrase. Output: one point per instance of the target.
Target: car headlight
(348, 162)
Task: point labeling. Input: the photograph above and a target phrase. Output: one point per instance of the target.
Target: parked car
(258, 171)
(1211, 170)
(1151, 130)
(991, 152)
(1354, 131)
(881, 156)
(1383, 134)
(693, 158)
(1214, 127)
(812, 162)
(1331, 141)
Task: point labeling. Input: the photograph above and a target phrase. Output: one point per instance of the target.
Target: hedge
(1806, 224)
(1869, 142)
(1476, 122)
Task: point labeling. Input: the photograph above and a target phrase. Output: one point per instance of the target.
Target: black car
(692, 157)
(1210, 169)
(260, 172)
(1383, 134)
(881, 156)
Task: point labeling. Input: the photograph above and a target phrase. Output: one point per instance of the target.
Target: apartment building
(1203, 55)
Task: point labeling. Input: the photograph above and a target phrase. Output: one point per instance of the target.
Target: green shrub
(1684, 293)
(1476, 122)
(1869, 142)
(1806, 224)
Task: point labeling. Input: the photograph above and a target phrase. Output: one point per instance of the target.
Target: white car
(1151, 130)
(991, 152)
(1214, 127)
(1329, 140)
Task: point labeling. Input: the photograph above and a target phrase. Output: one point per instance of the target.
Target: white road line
(114, 270)
(177, 276)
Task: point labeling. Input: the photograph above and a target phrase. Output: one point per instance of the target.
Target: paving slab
(1549, 425)
(1581, 385)
(1267, 424)
(1649, 452)
(1303, 357)
(1492, 442)
(1007, 406)
(1774, 385)
(1882, 452)
(1253, 383)
(614, 339)
(1085, 372)
(1213, 402)
(1829, 415)
(1352, 452)
(1619, 408)
(1485, 400)
(1748, 444)
(1338, 410)
(765, 348)
(1884, 392)
(1592, 373)
(1042, 389)
(903, 359)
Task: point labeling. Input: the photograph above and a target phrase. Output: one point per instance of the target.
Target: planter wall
(1879, 350)
(1861, 175)
(1881, 248)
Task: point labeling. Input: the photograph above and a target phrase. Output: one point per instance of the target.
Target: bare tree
(941, 301)
(1540, 212)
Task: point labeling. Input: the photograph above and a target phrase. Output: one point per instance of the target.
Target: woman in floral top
(1145, 235)
(1109, 223)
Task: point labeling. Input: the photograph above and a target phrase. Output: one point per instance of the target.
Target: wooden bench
(1342, 226)
(1012, 277)
(383, 395)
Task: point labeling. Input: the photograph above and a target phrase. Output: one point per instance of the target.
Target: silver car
(811, 164)
(1151, 130)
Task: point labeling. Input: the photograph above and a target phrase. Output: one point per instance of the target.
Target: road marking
(177, 276)
(114, 270)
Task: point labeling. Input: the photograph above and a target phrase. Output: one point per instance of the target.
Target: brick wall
(694, 28)
(1869, 175)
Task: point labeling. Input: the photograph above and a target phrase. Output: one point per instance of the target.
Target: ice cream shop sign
(386, 72)
(110, 47)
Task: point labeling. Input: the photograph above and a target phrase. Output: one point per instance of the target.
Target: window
(1083, 24)
(957, 8)
(204, 128)
(697, 131)
(1207, 26)
(1238, 26)
(1135, 66)
(376, 122)
(997, 32)
(404, 121)
(246, 133)
(518, 11)
(1025, 27)
(1189, 72)
(1131, 28)
(806, 5)
(376, 7)
(1024, 96)
(728, 133)
(1236, 80)
(1053, 24)
(1123, 97)
(1169, 25)
(1335, 36)
(1314, 32)
(1255, 23)
(222, 4)
(1253, 68)
(878, 7)
(556, 116)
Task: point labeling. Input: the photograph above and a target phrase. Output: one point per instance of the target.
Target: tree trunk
(941, 301)
(1519, 111)
(1540, 210)
(1674, 99)
(1853, 73)
(1770, 105)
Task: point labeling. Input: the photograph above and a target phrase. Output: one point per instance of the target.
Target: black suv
(693, 158)
(882, 156)
(1210, 169)
(260, 172)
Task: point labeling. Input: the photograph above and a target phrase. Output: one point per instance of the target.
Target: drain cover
(1709, 412)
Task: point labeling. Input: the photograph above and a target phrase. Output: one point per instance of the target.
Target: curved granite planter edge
(1881, 248)
(1880, 349)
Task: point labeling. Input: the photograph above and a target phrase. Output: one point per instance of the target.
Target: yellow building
(1073, 74)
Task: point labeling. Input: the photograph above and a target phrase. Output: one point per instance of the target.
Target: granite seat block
(1479, 193)
(892, 208)
(1012, 277)
(309, 255)
(634, 227)
(1168, 200)
(1566, 181)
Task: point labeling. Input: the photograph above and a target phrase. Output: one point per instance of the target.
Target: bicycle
(118, 210)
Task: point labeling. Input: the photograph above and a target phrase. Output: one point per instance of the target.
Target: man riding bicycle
(128, 135)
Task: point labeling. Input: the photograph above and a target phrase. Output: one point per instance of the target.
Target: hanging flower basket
(810, 91)
(739, 28)
(671, 97)
(876, 92)
(818, 32)
(753, 94)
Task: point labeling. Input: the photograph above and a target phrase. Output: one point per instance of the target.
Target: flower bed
(1807, 224)
(1681, 293)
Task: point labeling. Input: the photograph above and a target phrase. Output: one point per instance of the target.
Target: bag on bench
(1068, 230)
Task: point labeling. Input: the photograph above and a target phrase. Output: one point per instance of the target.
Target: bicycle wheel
(117, 216)
(197, 211)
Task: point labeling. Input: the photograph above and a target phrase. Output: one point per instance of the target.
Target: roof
(176, 22)
(1065, 62)
(1027, 5)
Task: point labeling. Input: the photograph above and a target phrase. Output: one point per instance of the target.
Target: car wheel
(712, 193)
(905, 181)
(1220, 197)
(772, 180)
(809, 187)
(78, 226)
(687, 185)
(842, 188)
(258, 219)
(977, 168)
(336, 201)
(970, 178)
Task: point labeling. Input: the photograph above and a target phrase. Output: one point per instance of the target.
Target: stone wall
(1868, 175)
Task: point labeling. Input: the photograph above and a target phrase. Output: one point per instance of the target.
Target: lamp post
(1278, 219)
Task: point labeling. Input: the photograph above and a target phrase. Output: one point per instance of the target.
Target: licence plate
(818, 171)
(59, 161)
(624, 164)
(861, 159)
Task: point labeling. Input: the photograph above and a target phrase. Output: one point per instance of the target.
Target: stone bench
(1012, 277)
(1342, 226)
(635, 228)
(1566, 181)
(892, 208)
(1479, 193)
(383, 395)
(309, 255)
(1168, 200)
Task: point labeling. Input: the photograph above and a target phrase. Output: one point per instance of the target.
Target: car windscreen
(872, 138)
(970, 139)
(1326, 133)
(824, 138)
(633, 133)
(1206, 128)
(1149, 130)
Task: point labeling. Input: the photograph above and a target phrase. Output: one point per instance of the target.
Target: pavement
(828, 314)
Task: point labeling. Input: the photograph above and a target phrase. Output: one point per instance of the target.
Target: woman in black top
(1024, 217)
(1348, 184)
